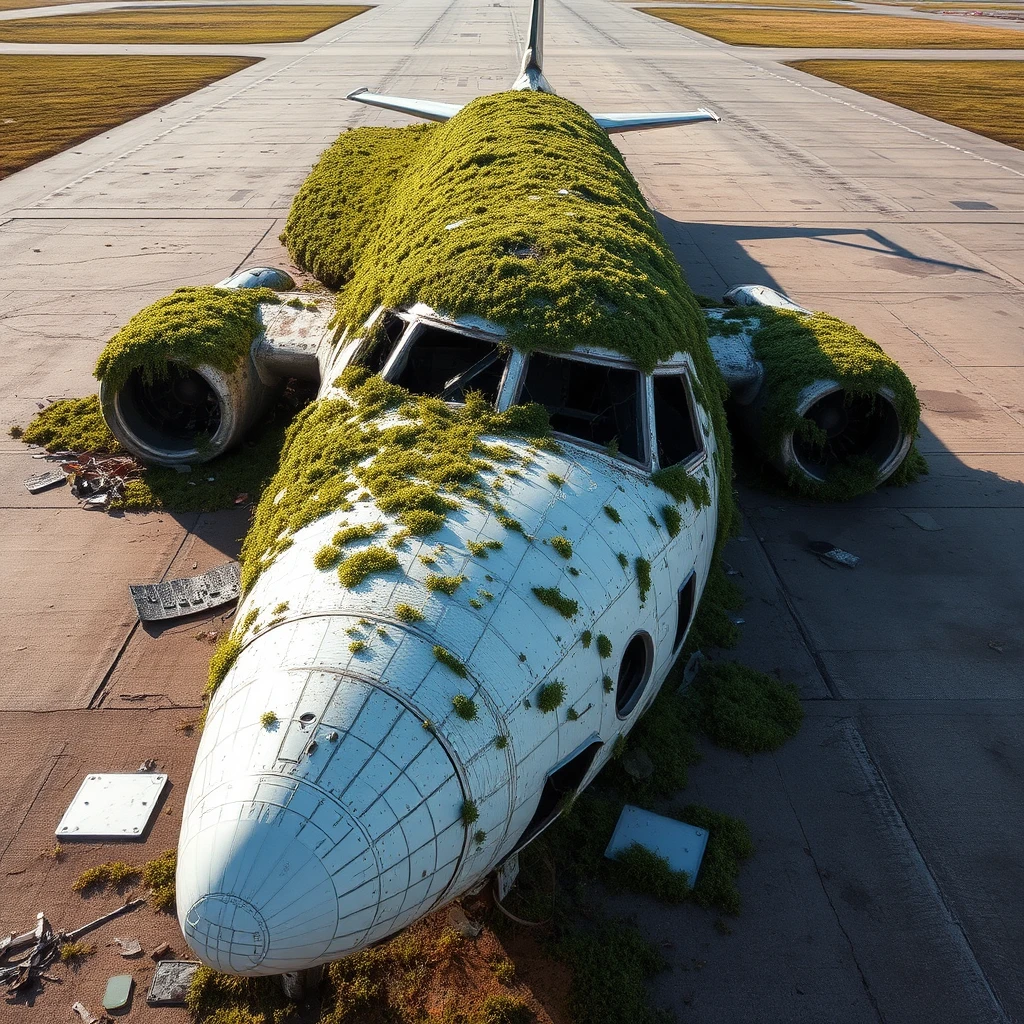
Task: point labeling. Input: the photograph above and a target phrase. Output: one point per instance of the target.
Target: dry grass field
(277, 24)
(50, 103)
(819, 4)
(982, 96)
(18, 5)
(809, 28)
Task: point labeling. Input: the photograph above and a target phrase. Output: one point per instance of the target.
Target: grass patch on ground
(229, 24)
(986, 100)
(743, 709)
(54, 102)
(810, 28)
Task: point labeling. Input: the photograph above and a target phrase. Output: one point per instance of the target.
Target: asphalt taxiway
(887, 880)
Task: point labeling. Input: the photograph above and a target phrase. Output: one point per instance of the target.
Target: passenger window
(595, 403)
(380, 342)
(447, 364)
(678, 437)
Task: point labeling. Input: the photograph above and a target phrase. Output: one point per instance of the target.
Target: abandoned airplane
(490, 531)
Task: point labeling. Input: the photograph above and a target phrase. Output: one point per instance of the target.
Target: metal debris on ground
(98, 480)
(118, 992)
(170, 982)
(829, 553)
(159, 952)
(923, 520)
(22, 974)
(87, 1016)
(692, 669)
(148, 765)
(680, 844)
(44, 481)
(128, 947)
(460, 922)
(112, 806)
(173, 599)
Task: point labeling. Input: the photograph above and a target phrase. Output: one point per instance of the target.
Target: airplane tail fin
(531, 79)
(531, 75)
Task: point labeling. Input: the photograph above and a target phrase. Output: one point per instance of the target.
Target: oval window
(633, 674)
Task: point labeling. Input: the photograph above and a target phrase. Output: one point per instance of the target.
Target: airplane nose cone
(256, 899)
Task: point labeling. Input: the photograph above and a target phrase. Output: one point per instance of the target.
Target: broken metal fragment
(174, 599)
(44, 481)
(170, 982)
(828, 552)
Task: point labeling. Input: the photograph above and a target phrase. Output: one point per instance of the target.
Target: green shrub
(368, 562)
(465, 707)
(550, 696)
(641, 870)
(729, 842)
(406, 613)
(743, 709)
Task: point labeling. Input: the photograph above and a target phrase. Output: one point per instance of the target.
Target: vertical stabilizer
(531, 76)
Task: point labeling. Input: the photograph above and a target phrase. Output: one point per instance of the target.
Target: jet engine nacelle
(193, 414)
(836, 436)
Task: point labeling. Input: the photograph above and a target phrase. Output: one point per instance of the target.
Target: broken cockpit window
(380, 341)
(447, 364)
(675, 421)
(590, 401)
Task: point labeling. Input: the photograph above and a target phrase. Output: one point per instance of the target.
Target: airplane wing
(613, 123)
(428, 109)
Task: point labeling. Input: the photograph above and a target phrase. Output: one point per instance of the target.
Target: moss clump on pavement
(115, 873)
(158, 877)
(729, 842)
(641, 870)
(191, 326)
(743, 709)
(74, 425)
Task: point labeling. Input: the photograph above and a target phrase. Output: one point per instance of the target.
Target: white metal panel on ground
(112, 806)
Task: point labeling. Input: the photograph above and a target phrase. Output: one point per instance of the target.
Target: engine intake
(831, 436)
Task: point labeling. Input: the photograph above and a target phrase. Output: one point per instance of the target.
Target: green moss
(586, 637)
(357, 646)
(743, 709)
(623, 559)
(406, 613)
(643, 577)
(465, 707)
(611, 967)
(327, 557)
(604, 646)
(280, 608)
(641, 870)
(480, 548)
(504, 970)
(479, 836)
(554, 598)
(158, 876)
(501, 742)
(72, 424)
(653, 522)
(584, 267)
(797, 351)
(370, 561)
(228, 649)
(361, 531)
(509, 523)
(550, 696)
(215, 998)
(446, 584)
(446, 657)
(555, 479)
(340, 204)
(192, 327)
(612, 513)
(573, 571)
(572, 715)
(267, 719)
(683, 486)
(469, 813)
(673, 520)
(608, 683)
(729, 842)
(421, 522)
(474, 603)
(562, 545)
(500, 1008)
(116, 874)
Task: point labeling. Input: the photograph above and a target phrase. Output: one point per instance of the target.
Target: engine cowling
(824, 404)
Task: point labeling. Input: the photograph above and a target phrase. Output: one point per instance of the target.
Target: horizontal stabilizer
(428, 109)
(613, 123)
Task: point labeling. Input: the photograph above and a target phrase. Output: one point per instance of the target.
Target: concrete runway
(887, 884)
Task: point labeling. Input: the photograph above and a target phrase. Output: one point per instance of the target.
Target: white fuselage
(343, 823)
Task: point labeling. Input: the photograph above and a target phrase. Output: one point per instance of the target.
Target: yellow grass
(805, 28)
(277, 24)
(982, 96)
(19, 5)
(755, 3)
(49, 103)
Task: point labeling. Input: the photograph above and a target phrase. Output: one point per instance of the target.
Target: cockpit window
(447, 364)
(678, 437)
(380, 342)
(595, 403)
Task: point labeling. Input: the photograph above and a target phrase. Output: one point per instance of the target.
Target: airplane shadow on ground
(732, 263)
